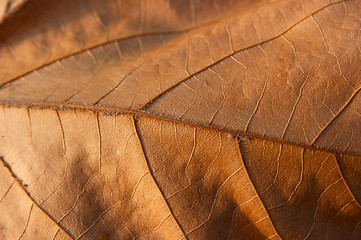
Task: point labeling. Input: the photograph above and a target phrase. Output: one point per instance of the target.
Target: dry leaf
(180, 119)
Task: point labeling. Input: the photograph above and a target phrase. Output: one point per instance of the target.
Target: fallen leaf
(181, 119)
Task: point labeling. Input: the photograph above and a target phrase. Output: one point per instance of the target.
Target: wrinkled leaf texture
(180, 119)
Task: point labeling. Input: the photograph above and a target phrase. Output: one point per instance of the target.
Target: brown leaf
(181, 119)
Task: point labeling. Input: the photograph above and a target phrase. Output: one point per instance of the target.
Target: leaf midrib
(135, 114)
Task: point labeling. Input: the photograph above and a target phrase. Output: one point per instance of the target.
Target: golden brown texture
(20, 215)
(181, 120)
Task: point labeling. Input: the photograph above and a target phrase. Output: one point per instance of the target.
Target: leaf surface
(8, 7)
(181, 119)
(20, 215)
